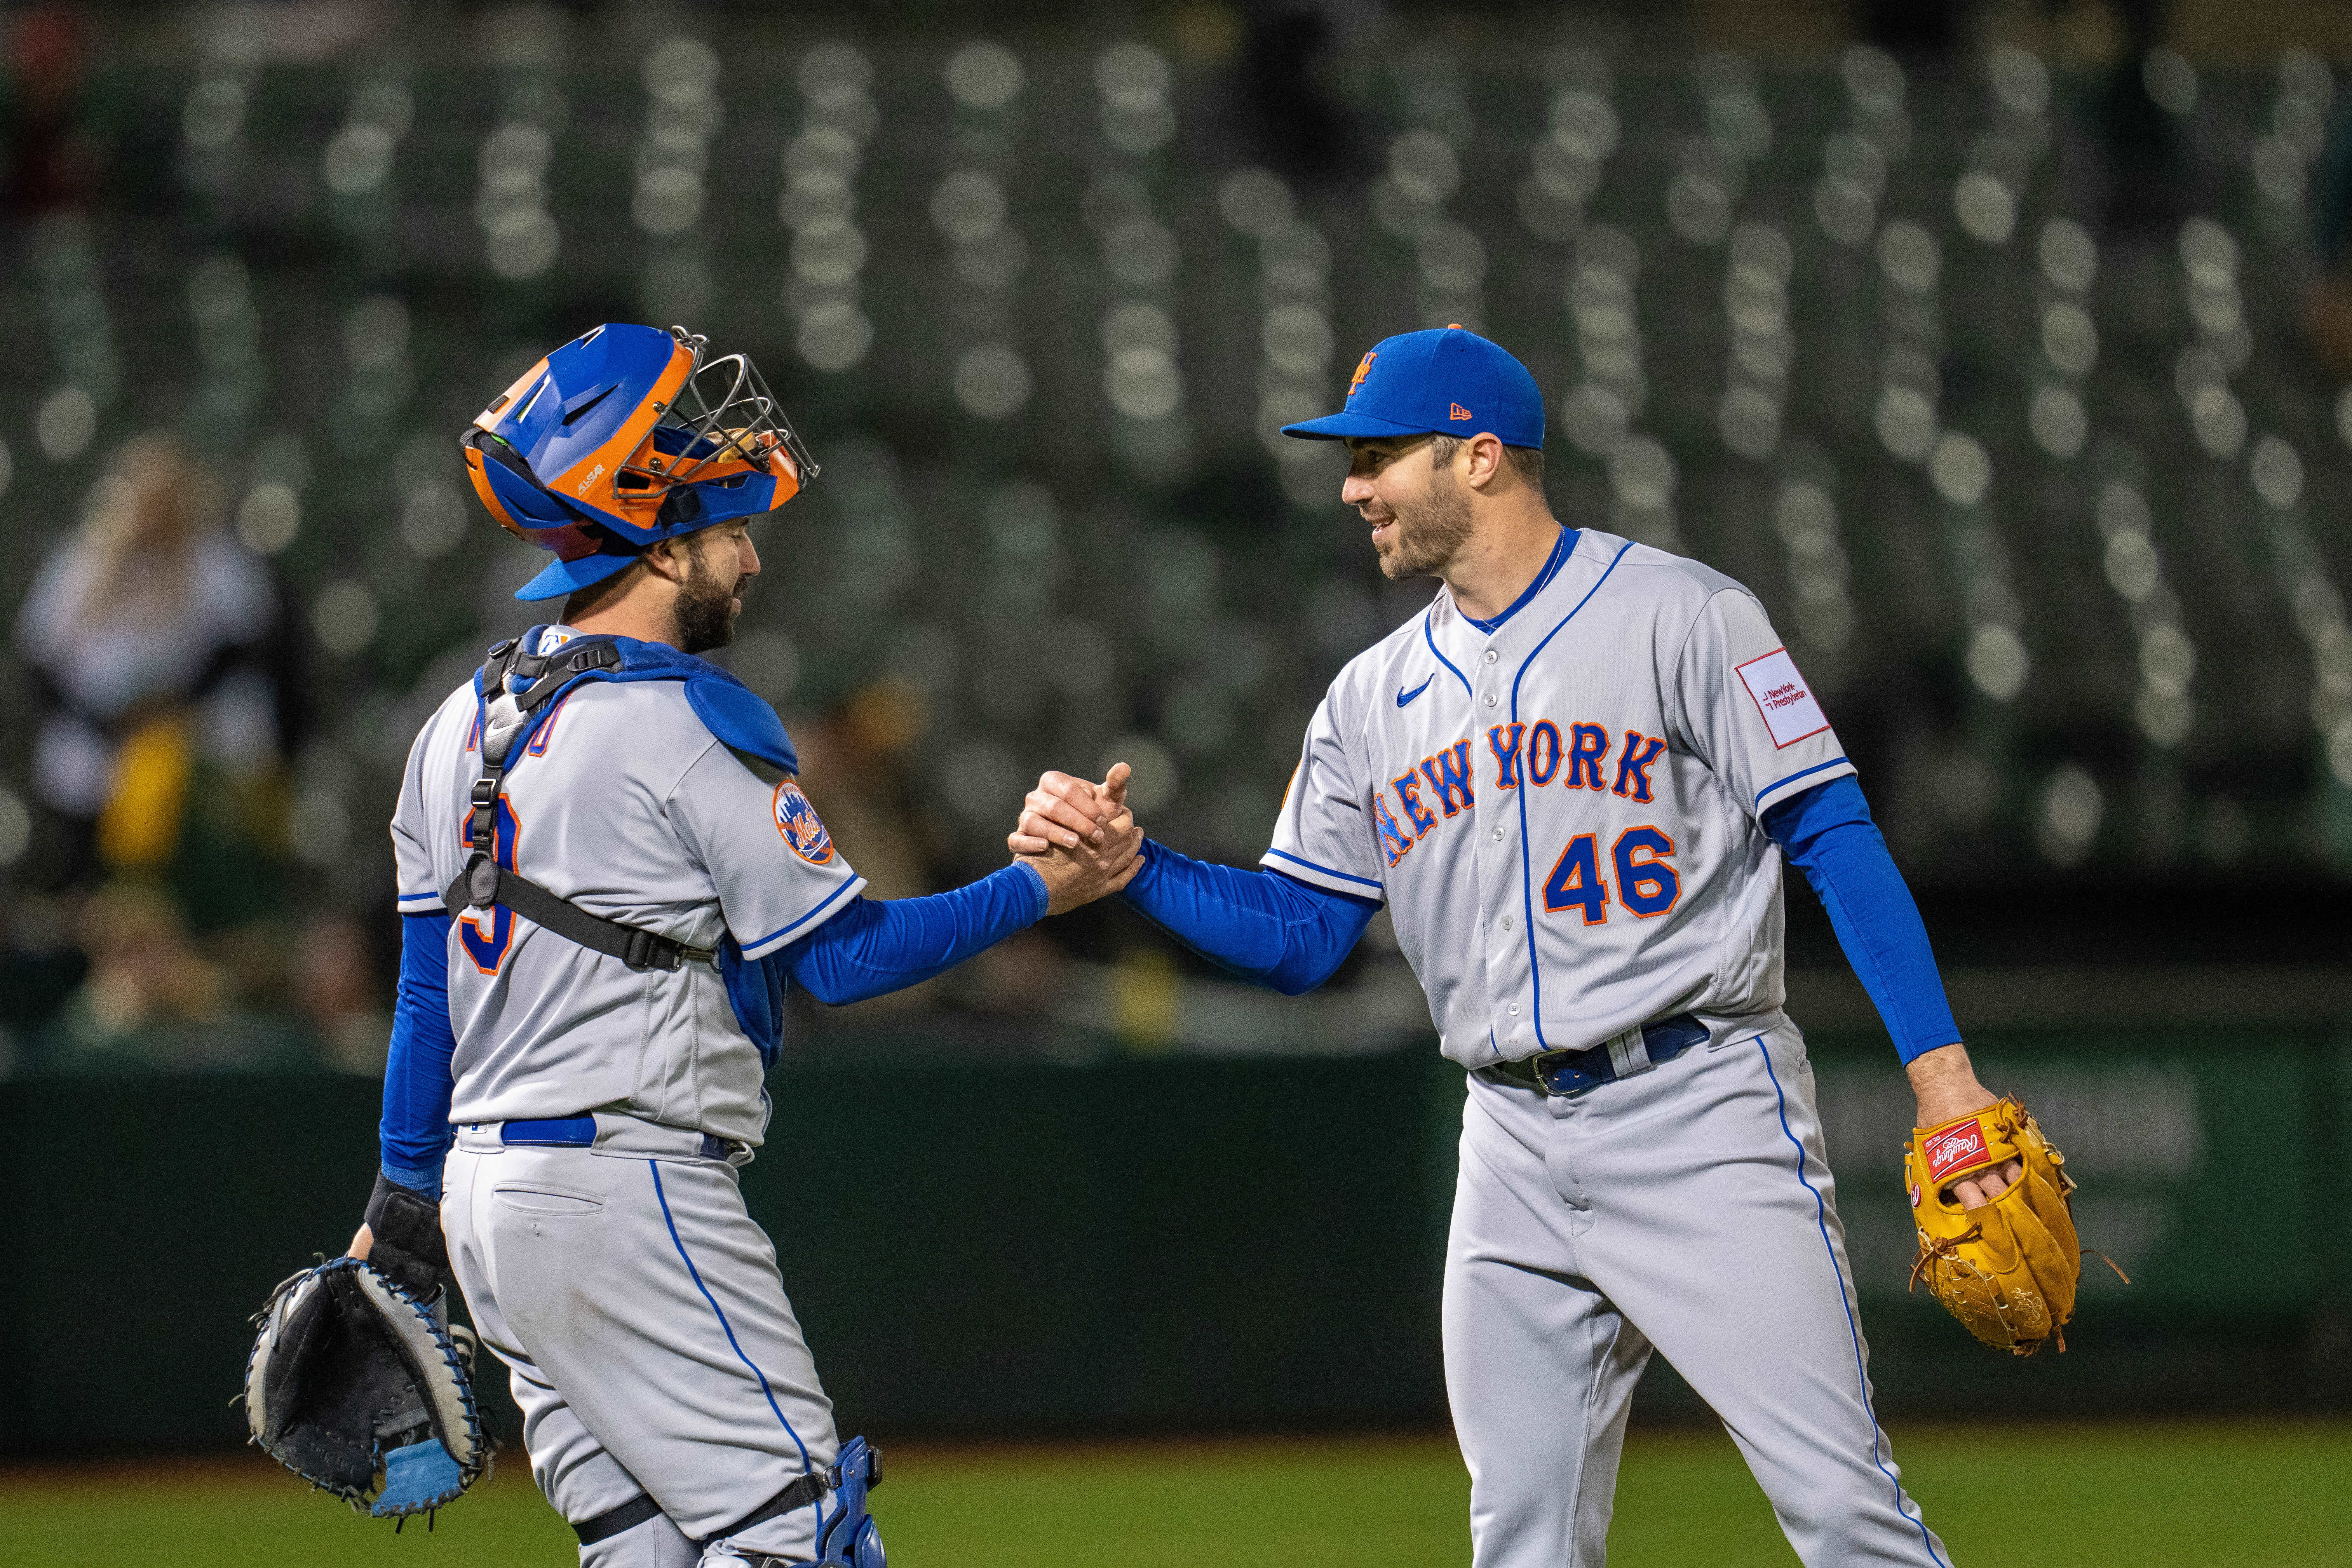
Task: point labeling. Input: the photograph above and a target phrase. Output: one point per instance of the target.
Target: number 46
(1646, 884)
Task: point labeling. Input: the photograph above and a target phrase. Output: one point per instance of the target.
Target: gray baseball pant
(1687, 1210)
(652, 1349)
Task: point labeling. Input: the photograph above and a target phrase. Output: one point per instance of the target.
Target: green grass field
(2158, 1495)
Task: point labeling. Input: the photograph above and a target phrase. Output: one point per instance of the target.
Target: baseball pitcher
(1574, 782)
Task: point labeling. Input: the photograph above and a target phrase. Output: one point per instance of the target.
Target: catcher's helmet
(625, 435)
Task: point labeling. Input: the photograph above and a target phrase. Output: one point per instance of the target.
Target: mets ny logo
(797, 820)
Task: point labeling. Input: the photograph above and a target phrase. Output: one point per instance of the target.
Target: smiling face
(1418, 509)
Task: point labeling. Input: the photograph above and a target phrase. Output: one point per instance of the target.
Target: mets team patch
(797, 820)
(1781, 696)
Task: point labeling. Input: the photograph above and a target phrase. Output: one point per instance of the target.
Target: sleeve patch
(1783, 697)
(797, 820)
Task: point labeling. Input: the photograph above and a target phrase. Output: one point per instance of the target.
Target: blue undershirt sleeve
(415, 1133)
(879, 945)
(1258, 924)
(1827, 830)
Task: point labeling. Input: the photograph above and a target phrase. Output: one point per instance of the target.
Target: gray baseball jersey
(623, 803)
(1564, 816)
(687, 1378)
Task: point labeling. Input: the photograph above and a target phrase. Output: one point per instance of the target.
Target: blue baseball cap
(1447, 381)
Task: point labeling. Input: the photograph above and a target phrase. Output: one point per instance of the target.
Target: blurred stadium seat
(2046, 492)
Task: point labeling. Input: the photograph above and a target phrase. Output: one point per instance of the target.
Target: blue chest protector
(731, 711)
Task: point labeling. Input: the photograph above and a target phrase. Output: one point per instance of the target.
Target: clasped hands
(1079, 836)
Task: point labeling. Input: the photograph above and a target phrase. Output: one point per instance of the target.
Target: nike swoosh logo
(1404, 697)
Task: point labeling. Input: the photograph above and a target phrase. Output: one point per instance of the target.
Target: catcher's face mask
(625, 435)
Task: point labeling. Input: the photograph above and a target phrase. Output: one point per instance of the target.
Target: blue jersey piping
(829, 900)
(696, 1275)
(1527, 873)
(1427, 637)
(1793, 778)
(1853, 1329)
(1562, 547)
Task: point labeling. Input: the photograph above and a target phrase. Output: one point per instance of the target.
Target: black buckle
(645, 949)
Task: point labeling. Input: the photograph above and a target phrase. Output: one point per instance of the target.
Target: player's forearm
(1828, 832)
(414, 1132)
(879, 945)
(1259, 925)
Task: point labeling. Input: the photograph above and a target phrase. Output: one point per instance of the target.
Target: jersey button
(1507, 922)
(1492, 656)
(1499, 835)
(1490, 700)
(1515, 1009)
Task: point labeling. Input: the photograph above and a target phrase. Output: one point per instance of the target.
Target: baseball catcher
(609, 876)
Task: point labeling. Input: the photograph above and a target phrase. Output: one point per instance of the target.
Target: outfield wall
(1192, 1245)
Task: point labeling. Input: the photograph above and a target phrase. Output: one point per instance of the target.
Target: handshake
(1079, 836)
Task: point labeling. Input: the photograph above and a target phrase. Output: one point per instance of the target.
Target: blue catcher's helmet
(625, 435)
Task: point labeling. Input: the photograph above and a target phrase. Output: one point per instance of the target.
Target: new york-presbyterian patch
(1783, 697)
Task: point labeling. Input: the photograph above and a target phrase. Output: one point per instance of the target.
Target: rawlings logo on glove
(2007, 1270)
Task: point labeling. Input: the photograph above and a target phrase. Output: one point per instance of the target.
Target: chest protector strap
(485, 882)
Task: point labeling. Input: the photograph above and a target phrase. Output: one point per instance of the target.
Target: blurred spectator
(150, 1000)
(51, 158)
(335, 990)
(850, 766)
(159, 653)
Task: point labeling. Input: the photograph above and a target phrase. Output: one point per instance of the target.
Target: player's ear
(1481, 460)
(671, 559)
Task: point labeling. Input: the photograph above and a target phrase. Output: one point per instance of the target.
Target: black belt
(1573, 1072)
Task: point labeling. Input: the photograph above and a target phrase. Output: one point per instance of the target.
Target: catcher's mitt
(2008, 1269)
(356, 1385)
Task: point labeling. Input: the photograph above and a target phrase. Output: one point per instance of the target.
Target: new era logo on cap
(1447, 380)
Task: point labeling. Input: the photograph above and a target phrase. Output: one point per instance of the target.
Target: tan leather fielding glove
(2007, 1270)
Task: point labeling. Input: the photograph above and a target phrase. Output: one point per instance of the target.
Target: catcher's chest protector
(507, 719)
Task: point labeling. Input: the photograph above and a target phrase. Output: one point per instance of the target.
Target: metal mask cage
(724, 413)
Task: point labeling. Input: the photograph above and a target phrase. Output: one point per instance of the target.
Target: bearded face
(707, 604)
(1429, 529)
